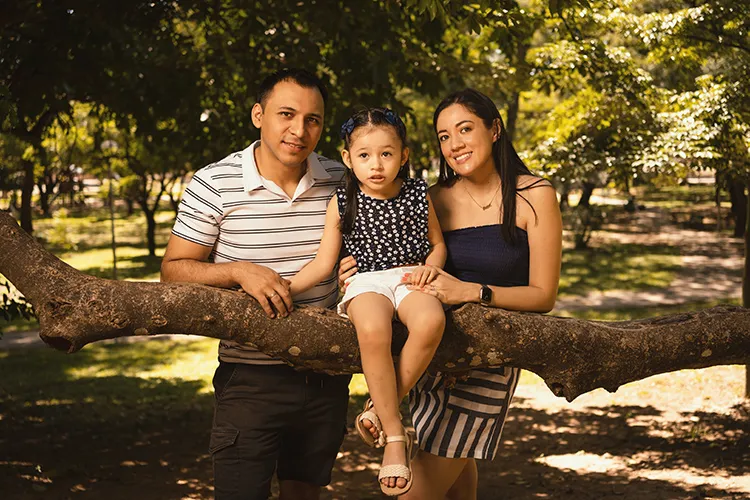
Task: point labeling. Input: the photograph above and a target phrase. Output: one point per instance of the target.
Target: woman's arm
(545, 254)
(328, 253)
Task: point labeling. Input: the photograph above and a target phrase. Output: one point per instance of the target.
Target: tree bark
(588, 190)
(746, 282)
(513, 106)
(27, 190)
(572, 356)
(739, 206)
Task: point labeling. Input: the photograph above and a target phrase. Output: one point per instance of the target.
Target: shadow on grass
(106, 423)
(89, 425)
(138, 267)
(618, 267)
(593, 454)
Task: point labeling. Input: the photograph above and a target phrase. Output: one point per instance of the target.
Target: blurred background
(637, 111)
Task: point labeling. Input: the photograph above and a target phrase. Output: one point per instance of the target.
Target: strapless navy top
(481, 255)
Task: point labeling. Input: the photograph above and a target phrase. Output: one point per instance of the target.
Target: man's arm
(185, 261)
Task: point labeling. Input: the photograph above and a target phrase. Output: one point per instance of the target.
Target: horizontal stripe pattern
(466, 420)
(259, 226)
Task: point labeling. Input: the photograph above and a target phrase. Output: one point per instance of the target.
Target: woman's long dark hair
(374, 117)
(507, 162)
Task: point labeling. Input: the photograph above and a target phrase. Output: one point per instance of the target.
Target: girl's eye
(466, 129)
(363, 155)
(386, 153)
(443, 138)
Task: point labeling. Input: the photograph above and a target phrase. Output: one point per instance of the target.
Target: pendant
(487, 206)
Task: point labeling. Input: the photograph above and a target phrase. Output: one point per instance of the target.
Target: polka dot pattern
(389, 233)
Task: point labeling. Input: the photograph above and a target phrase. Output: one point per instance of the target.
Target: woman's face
(465, 141)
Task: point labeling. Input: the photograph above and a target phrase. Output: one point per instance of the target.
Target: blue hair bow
(347, 128)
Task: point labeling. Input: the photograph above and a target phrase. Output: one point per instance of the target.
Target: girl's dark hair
(374, 117)
(507, 162)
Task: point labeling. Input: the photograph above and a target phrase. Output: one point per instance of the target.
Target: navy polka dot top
(389, 233)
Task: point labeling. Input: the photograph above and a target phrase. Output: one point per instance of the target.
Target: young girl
(387, 222)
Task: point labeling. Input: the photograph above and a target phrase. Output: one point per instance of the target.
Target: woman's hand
(447, 289)
(347, 269)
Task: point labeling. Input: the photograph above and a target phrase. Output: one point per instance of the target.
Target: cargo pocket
(222, 438)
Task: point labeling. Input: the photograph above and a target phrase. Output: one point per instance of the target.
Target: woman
(503, 230)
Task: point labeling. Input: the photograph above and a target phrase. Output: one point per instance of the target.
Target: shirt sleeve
(200, 211)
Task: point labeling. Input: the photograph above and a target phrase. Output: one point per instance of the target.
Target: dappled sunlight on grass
(358, 385)
(618, 267)
(187, 360)
(132, 263)
(632, 313)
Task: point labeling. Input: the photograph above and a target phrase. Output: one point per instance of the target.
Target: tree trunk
(513, 105)
(27, 190)
(717, 201)
(565, 197)
(746, 284)
(150, 231)
(43, 198)
(588, 190)
(739, 206)
(572, 356)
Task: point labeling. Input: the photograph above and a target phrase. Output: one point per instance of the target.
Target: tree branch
(572, 356)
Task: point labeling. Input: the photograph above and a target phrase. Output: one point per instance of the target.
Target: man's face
(291, 122)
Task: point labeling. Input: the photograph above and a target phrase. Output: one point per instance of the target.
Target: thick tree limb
(572, 356)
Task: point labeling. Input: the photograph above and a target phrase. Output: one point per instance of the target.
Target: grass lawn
(618, 266)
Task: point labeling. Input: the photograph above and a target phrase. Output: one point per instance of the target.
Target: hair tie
(347, 128)
(393, 119)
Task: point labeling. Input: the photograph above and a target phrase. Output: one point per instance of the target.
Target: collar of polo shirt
(252, 179)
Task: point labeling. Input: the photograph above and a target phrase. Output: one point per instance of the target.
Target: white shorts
(386, 283)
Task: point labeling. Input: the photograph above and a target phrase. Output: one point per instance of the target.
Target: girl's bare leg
(372, 314)
(424, 318)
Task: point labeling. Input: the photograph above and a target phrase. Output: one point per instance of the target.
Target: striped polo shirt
(242, 216)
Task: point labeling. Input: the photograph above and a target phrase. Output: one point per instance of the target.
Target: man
(252, 220)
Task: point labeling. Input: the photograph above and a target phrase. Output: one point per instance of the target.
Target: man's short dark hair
(299, 76)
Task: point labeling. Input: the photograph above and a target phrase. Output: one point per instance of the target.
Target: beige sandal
(369, 414)
(398, 470)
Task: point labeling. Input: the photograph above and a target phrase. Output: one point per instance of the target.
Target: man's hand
(266, 286)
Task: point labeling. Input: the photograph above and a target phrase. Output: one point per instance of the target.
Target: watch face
(486, 294)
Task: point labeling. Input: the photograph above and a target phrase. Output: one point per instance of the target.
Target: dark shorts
(273, 418)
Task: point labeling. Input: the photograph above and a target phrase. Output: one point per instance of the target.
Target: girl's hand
(449, 290)
(347, 269)
(422, 275)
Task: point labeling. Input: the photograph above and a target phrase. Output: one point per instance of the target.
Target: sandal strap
(394, 470)
(375, 420)
(392, 439)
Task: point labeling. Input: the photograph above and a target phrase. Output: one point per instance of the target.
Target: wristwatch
(485, 295)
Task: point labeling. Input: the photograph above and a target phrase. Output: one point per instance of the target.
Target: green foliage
(14, 305)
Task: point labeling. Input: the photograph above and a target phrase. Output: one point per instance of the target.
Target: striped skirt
(464, 420)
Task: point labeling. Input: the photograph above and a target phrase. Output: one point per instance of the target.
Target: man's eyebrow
(293, 110)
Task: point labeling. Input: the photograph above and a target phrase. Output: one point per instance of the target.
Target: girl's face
(375, 155)
(465, 142)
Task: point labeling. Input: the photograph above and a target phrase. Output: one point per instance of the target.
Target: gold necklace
(492, 200)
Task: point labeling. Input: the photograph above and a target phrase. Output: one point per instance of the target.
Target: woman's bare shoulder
(529, 182)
